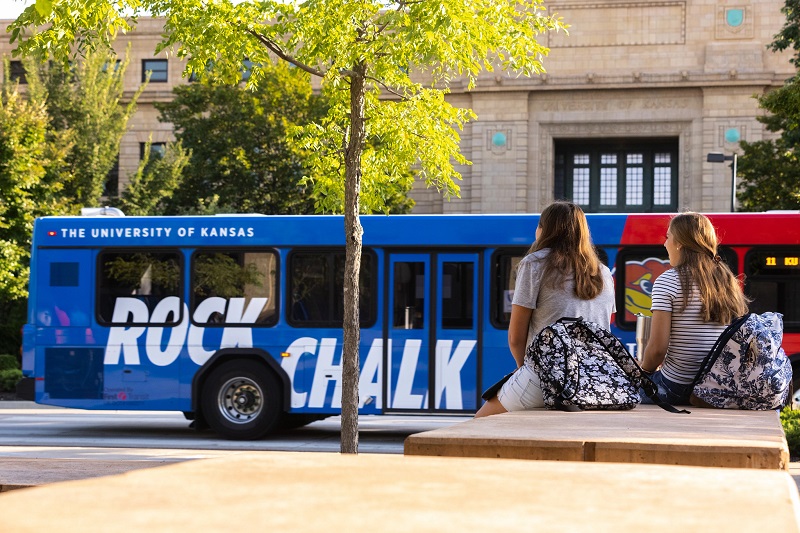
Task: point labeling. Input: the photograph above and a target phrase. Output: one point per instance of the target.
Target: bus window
(636, 270)
(505, 275)
(602, 255)
(773, 281)
(457, 295)
(230, 287)
(131, 285)
(504, 266)
(316, 289)
(367, 287)
(409, 295)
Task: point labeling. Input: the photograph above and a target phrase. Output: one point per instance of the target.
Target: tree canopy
(29, 186)
(237, 137)
(384, 45)
(241, 158)
(59, 137)
(85, 101)
(156, 180)
(789, 36)
(58, 140)
(769, 169)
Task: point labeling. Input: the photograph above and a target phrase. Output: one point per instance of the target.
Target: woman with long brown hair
(692, 303)
(560, 276)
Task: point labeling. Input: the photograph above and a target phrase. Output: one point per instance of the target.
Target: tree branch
(389, 89)
(274, 48)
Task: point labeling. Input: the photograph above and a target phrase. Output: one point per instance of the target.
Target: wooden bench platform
(647, 434)
(312, 492)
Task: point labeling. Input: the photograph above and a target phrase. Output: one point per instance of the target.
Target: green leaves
(238, 142)
(58, 142)
(68, 29)
(770, 176)
(155, 181)
(27, 187)
(789, 36)
(84, 101)
(409, 123)
(769, 169)
(44, 7)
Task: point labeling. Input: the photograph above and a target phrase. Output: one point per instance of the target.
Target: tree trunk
(352, 266)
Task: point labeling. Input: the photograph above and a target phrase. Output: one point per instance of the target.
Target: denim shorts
(522, 391)
(669, 391)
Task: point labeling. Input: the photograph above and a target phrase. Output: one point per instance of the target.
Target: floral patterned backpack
(747, 367)
(582, 365)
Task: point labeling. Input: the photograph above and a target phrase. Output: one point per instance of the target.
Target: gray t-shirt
(551, 303)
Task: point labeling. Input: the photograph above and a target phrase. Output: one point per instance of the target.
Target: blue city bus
(236, 320)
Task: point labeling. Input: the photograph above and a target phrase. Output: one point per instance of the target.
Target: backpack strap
(625, 361)
(716, 350)
(571, 366)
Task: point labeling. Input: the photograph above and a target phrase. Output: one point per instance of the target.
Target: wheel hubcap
(240, 400)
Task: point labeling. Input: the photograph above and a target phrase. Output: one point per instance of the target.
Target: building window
(157, 68)
(156, 150)
(504, 274)
(16, 72)
(618, 176)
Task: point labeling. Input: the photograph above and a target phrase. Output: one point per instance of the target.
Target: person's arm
(656, 349)
(518, 332)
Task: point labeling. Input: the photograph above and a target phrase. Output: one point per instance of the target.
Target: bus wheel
(241, 400)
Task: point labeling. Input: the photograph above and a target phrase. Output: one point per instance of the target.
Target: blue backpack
(747, 367)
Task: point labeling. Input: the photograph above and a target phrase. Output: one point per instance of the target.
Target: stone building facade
(633, 100)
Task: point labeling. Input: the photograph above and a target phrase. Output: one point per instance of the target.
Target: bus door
(432, 348)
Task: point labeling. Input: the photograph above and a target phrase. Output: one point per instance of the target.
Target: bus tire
(241, 400)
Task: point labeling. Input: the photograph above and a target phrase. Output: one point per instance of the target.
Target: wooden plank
(647, 434)
(311, 492)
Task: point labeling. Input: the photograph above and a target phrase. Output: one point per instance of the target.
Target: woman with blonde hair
(692, 303)
(560, 276)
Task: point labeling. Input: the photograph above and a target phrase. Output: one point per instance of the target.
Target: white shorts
(522, 391)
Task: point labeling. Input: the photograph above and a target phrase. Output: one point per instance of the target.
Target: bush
(8, 362)
(14, 316)
(9, 379)
(790, 420)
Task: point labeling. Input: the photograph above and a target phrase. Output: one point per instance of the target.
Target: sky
(10, 9)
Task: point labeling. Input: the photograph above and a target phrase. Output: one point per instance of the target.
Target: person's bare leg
(491, 407)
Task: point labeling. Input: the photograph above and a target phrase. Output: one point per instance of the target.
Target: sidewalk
(21, 404)
(25, 473)
(794, 471)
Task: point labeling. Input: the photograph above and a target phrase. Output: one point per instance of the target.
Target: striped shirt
(690, 338)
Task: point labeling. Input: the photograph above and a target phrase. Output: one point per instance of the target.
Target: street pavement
(51, 453)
